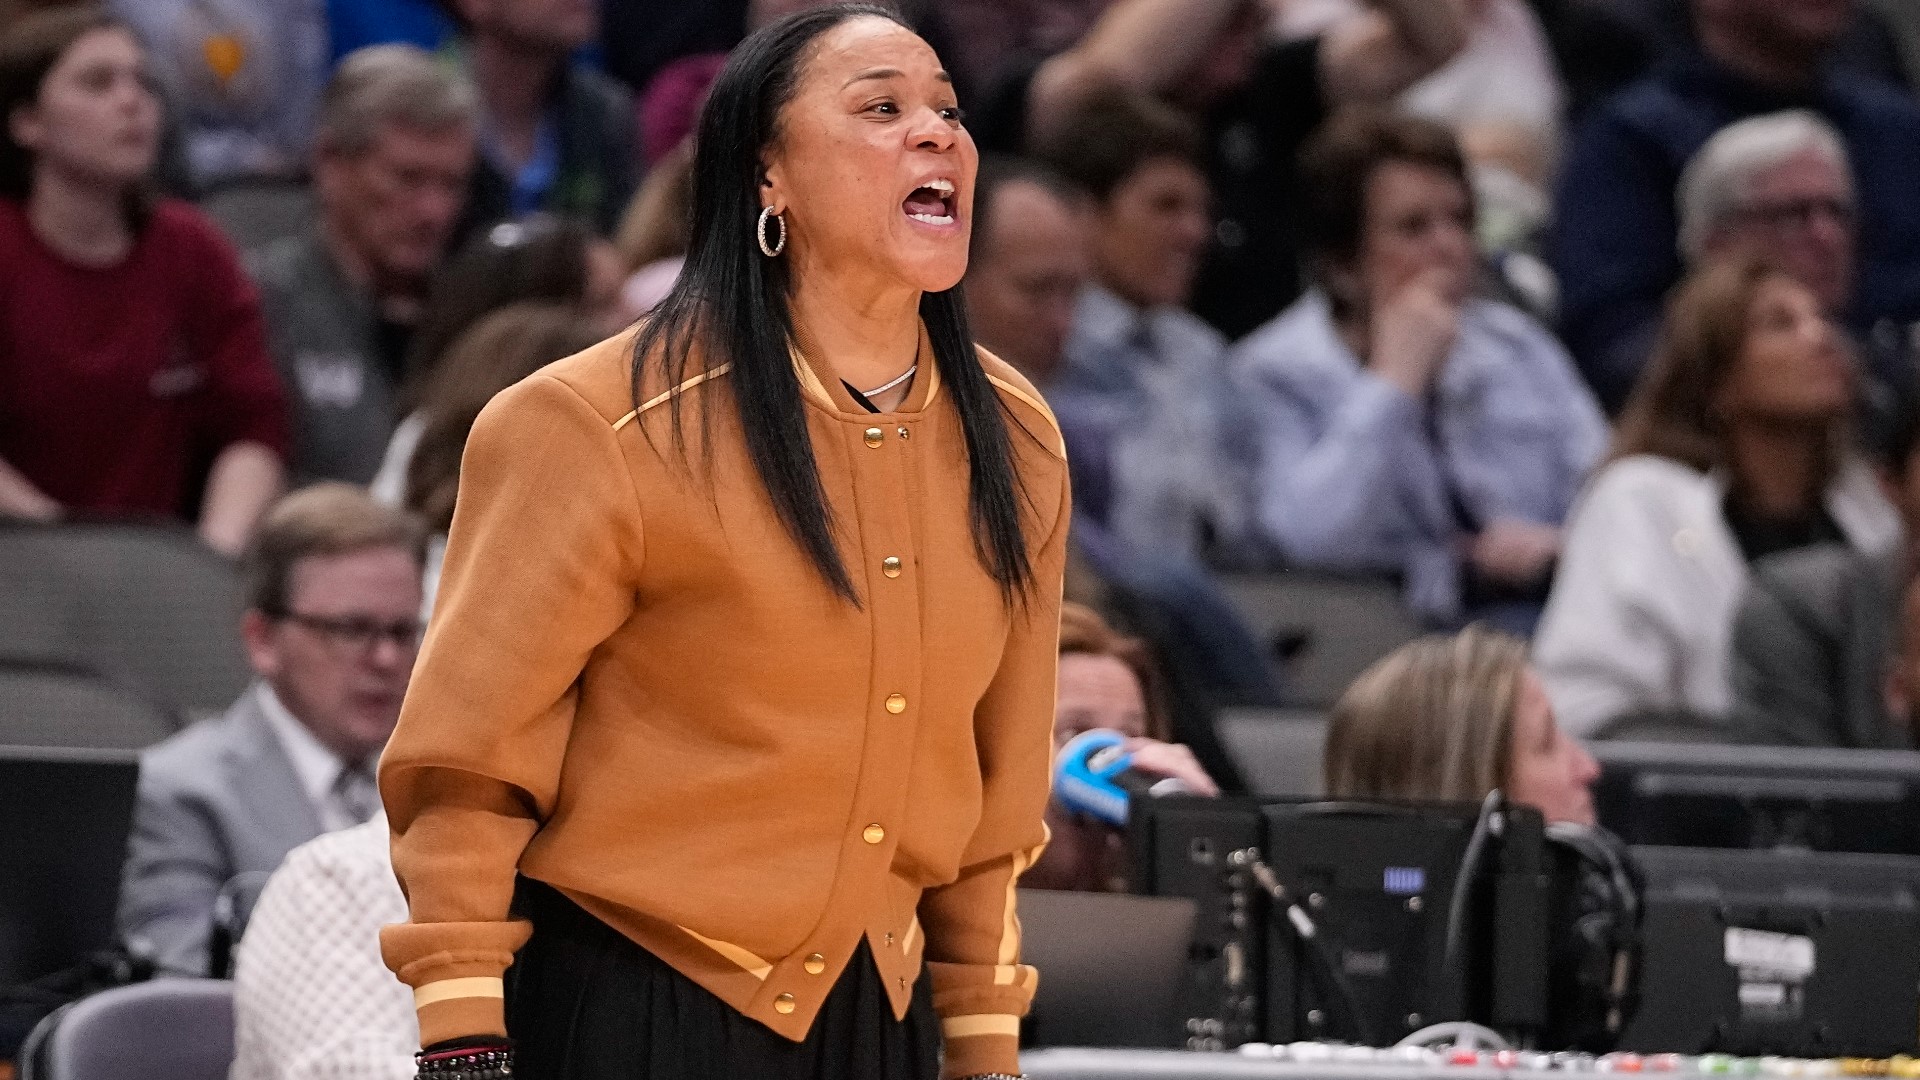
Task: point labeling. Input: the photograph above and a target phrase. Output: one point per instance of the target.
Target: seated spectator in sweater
(1732, 449)
(131, 349)
(1392, 422)
(1818, 632)
(1615, 245)
(311, 996)
(1140, 396)
(1028, 264)
(243, 80)
(500, 350)
(332, 624)
(555, 135)
(1106, 682)
(396, 144)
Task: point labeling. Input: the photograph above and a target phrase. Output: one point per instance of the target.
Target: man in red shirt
(134, 376)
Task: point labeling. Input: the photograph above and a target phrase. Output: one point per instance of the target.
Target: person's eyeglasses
(359, 633)
(1799, 213)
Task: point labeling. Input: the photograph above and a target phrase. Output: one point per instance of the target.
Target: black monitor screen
(64, 816)
(1761, 797)
(1805, 954)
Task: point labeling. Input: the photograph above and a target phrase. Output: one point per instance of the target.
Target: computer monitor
(1376, 881)
(1111, 967)
(64, 817)
(1711, 796)
(1803, 954)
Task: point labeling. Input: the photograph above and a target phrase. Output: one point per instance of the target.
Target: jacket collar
(825, 391)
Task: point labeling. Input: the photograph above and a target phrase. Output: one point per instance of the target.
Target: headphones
(1594, 953)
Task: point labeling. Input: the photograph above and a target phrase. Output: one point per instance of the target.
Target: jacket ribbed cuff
(974, 1055)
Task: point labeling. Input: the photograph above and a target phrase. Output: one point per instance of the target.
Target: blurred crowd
(1590, 324)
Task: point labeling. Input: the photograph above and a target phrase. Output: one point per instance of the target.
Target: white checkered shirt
(313, 1001)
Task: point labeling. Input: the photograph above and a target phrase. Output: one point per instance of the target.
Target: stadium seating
(145, 607)
(1328, 628)
(181, 1029)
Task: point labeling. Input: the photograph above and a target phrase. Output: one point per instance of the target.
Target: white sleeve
(312, 998)
(1618, 633)
(389, 485)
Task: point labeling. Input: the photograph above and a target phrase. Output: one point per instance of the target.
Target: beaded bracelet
(470, 1063)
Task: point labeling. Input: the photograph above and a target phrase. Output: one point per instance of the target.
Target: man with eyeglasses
(332, 627)
(1614, 239)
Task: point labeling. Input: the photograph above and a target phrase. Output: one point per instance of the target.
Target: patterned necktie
(356, 793)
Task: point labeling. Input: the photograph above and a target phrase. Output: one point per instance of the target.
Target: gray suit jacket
(1811, 644)
(217, 800)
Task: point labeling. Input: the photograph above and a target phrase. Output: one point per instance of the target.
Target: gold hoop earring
(760, 233)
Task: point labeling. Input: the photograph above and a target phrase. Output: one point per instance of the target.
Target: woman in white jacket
(1732, 448)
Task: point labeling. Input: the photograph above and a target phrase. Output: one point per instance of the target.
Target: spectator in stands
(497, 352)
(1394, 423)
(1028, 265)
(1615, 244)
(133, 371)
(538, 258)
(332, 625)
(1775, 187)
(1500, 93)
(541, 259)
(342, 298)
(1141, 394)
(1106, 681)
(1451, 718)
(1779, 187)
(1818, 632)
(555, 135)
(655, 231)
(1256, 101)
(243, 80)
(311, 996)
(1731, 449)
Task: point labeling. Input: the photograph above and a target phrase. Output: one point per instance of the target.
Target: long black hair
(732, 302)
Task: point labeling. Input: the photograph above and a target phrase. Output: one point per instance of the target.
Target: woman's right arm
(541, 567)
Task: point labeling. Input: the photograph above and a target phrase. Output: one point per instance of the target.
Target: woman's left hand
(1172, 760)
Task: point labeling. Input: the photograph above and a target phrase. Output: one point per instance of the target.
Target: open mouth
(932, 203)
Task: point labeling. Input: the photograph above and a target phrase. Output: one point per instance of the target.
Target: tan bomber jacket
(636, 688)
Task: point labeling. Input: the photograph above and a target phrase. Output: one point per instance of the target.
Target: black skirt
(584, 1002)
